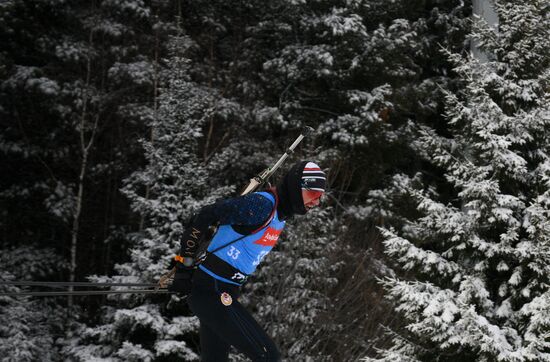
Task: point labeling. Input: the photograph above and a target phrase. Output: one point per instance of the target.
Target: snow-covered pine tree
(143, 329)
(291, 292)
(89, 74)
(29, 326)
(358, 71)
(478, 257)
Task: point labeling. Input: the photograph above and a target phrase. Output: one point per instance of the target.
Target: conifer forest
(120, 119)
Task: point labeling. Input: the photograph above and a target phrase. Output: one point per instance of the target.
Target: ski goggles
(310, 195)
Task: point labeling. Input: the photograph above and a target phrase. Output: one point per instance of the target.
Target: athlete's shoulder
(260, 203)
(263, 196)
(249, 209)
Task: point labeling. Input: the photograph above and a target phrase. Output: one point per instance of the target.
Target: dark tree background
(120, 118)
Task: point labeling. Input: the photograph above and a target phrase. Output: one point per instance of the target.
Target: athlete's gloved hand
(172, 264)
(182, 281)
(178, 261)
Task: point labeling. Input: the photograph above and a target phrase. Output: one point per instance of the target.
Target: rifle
(260, 179)
(255, 183)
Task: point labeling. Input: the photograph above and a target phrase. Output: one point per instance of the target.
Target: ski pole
(76, 284)
(84, 292)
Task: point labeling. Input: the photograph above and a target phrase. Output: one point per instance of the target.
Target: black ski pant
(222, 326)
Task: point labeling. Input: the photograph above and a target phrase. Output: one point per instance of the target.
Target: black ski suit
(224, 322)
(224, 326)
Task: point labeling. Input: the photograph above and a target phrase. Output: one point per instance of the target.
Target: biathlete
(248, 228)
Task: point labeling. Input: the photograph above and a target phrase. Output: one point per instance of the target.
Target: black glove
(182, 281)
(173, 263)
(186, 263)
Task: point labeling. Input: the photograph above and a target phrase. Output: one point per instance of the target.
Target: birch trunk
(155, 111)
(85, 146)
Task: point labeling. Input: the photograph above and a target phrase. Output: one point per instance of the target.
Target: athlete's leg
(258, 345)
(234, 325)
(213, 348)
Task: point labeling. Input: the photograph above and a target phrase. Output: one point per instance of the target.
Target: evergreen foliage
(292, 291)
(362, 72)
(181, 102)
(76, 81)
(145, 329)
(29, 326)
(479, 253)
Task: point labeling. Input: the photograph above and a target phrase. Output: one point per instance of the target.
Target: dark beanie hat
(290, 188)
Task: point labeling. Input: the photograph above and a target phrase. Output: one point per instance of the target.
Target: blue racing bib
(246, 254)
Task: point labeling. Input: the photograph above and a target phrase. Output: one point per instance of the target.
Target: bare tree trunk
(155, 109)
(76, 222)
(85, 146)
